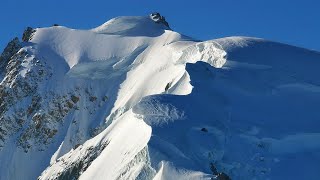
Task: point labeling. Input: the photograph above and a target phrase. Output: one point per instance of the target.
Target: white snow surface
(175, 105)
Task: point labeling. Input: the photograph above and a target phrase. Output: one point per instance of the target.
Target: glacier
(133, 99)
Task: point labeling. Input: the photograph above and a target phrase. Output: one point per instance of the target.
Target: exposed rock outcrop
(12, 48)
(156, 17)
(28, 34)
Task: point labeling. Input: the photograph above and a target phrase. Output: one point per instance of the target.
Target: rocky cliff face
(31, 115)
(11, 49)
(21, 99)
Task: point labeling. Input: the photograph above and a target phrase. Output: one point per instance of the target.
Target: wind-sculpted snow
(247, 131)
(156, 113)
(132, 99)
(208, 51)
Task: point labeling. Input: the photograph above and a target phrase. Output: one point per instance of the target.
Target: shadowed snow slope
(132, 99)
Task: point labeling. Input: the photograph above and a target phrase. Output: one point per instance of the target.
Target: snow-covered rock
(132, 99)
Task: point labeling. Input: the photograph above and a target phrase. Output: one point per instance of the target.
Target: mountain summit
(133, 99)
(154, 25)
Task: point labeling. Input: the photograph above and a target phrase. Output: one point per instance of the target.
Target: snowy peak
(132, 99)
(153, 25)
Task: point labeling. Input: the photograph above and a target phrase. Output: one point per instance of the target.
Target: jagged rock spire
(12, 48)
(27, 34)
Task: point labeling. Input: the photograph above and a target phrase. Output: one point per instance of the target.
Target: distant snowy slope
(301, 63)
(132, 99)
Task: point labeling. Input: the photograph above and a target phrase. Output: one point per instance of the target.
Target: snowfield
(133, 99)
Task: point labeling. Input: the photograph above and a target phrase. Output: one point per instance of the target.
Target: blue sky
(295, 22)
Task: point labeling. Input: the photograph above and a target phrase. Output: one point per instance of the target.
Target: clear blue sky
(295, 22)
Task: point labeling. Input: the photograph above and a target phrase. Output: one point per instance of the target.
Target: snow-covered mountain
(133, 99)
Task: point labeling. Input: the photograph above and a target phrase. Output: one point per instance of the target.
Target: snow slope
(132, 99)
